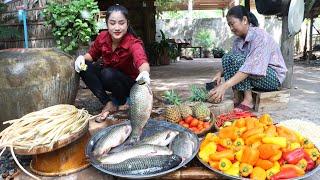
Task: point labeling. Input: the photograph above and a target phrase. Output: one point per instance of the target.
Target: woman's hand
(216, 95)
(217, 77)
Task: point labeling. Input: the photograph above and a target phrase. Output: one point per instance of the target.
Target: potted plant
(217, 52)
(159, 52)
(73, 23)
(204, 38)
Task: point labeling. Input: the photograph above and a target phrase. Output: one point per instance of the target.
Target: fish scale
(145, 165)
(141, 98)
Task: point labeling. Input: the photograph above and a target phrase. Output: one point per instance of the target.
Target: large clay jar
(33, 79)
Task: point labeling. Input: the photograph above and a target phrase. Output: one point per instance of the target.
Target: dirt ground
(304, 96)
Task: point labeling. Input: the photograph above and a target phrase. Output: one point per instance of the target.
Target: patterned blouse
(261, 52)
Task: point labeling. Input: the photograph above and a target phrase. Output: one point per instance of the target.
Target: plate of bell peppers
(256, 148)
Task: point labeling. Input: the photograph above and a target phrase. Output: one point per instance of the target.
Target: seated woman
(124, 62)
(255, 61)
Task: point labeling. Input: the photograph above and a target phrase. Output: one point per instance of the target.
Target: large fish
(138, 150)
(115, 136)
(183, 146)
(140, 108)
(162, 138)
(145, 165)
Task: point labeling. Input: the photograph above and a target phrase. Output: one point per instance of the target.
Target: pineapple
(185, 110)
(198, 94)
(201, 111)
(172, 113)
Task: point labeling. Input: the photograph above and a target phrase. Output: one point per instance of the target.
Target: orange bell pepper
(276, 157)
(271, 131)
(264, 164)
(245, 169)
(254, 138)
(240, 123)
(298, 170)
(268, 150)
(256, 144)
(222, 154)
(258, 174)
(250, 123)
(250, 155)
(228, 132)
(251, 132)
(225, 142)
(214, 164)
(287, 133)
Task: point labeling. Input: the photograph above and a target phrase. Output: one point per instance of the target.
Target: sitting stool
(268, 101)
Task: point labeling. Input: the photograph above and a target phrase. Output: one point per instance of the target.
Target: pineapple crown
(172, 97)
(198, 93)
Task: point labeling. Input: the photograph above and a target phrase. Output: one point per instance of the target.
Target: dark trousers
(99, 80)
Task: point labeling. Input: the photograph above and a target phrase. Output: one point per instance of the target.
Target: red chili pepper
(294, 156)
(310, 163)
(285, 174)
(220, 148)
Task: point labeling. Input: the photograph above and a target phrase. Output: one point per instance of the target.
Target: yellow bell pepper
(245, 169)
(300, 137)
(234, 170)
(210, 137)
(281, 141)
(277, 156)
(240, 131)
(313, 153)
(274, 170)
(252, 139)
(224, 164)
(302, 164)
(294, 145)
(214, 164)
(238, 142)
(307, 144)
(258, 174)
(239, 154)
(210, 148)
(266, 119)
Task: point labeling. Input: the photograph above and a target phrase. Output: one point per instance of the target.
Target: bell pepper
(234, 169)
(251, 132)
(264, 164)
(268, 150)
(238, 142)
(294, 156)
(271, 130)
(225, 142)
(318, 161)
(313, 153)
(240, 131)
(307, 144)
(302, 164)
(207, 150)
(220, 148)
(299, 170)
(300, 137)
(256, 144)
(210, 137)
(276, 157)
(239, 154)
(254, 138)
(245, 169)
(258, 174)
(294, 145)
(250, 155)
(222, 154)
(224, 164)
(310, 163)
(266, 119)
(274, 170)
(214, 164)
(250, 123)
(287, 133)
(228, 132)
(285, 174)
(281, 141)
(240, 123)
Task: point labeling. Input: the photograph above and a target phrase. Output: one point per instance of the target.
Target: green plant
(73, 23)
(218, 52)
(167, 5)
(205, 39)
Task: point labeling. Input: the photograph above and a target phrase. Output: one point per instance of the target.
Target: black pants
(99, 80)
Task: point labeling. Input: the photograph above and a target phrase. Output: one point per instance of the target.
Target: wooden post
(149, 22)
(287, 45)
(247, 4)
(309, 54)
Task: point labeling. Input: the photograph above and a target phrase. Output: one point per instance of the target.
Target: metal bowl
(308, 174)
(151, 127)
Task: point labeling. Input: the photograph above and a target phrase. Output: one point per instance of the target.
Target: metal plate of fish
(190, 148)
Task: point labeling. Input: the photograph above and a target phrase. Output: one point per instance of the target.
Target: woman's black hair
(124, 11)
(240, 11)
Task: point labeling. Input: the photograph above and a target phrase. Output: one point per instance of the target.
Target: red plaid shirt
(127, 57)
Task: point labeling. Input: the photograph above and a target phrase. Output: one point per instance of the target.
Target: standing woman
(124, 62)
(255, 61)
